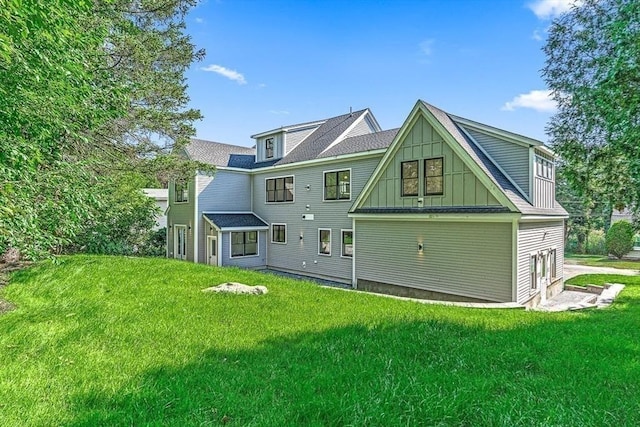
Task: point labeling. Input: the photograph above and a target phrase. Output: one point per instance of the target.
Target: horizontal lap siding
(459, 258)
(246, 262)
(532, 238)
(329, 214)
(512, 158)
(225, 191)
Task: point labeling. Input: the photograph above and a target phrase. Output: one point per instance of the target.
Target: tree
(593, 71)
(89, 91)
(620, 239)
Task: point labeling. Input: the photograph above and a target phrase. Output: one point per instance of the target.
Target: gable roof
(362, 143)
(485, 169)
(235, 220)
(321, 138)
(219, 154)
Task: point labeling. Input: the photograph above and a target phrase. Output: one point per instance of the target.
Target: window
(244, 243)
(533, 271)
(636, 242)
(278, 233)
(409, 178)
(181, 192)
(180, 242)
(433, 177)
(552, 262)
(544, 168)
(337, 185)
(268, 148)
(324, 241)
(280, 189)
(347, 243)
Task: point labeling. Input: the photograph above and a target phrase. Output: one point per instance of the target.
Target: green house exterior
(442, 208)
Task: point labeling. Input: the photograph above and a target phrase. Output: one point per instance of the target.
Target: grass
(124, 341)
(602, 261)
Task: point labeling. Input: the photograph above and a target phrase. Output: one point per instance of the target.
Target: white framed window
(324, 241)
(180, 241)
(544, 168)
(346, 238)
(280, 189)
(279, 233)
(181, 192)
(533, 271)
(552, 263)
(268, 148)
(244, 243)
(337, 184)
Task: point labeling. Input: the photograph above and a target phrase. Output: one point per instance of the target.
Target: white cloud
(548, 9)
(536, 35)
(199, 20)
(426, 47)
(539, 100)
(225, 72)
(279, 112)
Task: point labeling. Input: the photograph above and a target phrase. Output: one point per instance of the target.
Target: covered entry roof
(235, 221)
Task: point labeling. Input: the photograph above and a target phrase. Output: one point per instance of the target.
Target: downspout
(354, 281)
(514, 260)
(196, 229)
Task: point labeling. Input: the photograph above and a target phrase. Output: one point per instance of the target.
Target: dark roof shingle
(235, 220)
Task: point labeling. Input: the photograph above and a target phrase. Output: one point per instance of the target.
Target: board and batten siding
(512, 158)
(225, 191)
(544, 193)
(459, 258)
(534, 237)
(181, 214)
(252, 261)
(461, 187)
(301, 255)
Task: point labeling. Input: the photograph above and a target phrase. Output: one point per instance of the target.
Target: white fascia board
(259, 228)
(541, 218)
(287, 129)
(215, 227)
(361, 154)
(506, 217)
(499, 133)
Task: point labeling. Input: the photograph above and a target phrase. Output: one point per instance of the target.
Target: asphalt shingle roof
(235, 220)
(219, 154)
(361, 143)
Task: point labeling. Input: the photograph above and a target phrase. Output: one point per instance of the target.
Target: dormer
(269, 146)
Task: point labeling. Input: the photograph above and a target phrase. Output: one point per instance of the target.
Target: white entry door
(544, 275)
(180, 242)
(212, 250)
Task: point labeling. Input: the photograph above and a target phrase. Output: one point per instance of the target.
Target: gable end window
(279, 189)
(347, 243)
(244, 243)
(324, 241)
(337, 185)
(268, 148)
(409, 178)
(181, 192)
(433, 177)
(278, 233)
(544, 168)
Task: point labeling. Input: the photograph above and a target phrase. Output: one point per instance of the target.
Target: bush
(620, 239)
(155, 244)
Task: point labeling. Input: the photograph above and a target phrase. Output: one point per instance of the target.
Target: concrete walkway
(572, 270)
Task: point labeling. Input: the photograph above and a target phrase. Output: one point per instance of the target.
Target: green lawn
(124, 341)
(602, 261)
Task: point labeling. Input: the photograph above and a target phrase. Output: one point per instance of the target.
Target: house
(161, 196)
(627, 215)
(441, 208)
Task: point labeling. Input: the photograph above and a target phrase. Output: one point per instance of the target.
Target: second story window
(433, 177)
(409, 178)
(337, 185)
(279, 189)
(181, 192)
(268, 148)
(544, 168)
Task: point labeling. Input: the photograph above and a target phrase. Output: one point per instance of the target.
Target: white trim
(543, 218)
(220, 257)
(230, 231)
(514, 259)
(337, 184)
(277, 177)
(208, 239)
(354, 280)
(285, 233)
(175, 240)
(196, 222)
(301, 126)
(342, 255)
(497, 165)
(330, 241)
(258, 228)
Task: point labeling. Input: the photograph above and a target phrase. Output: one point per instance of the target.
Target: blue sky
(274, 63)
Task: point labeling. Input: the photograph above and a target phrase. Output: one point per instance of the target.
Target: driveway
(572, 270)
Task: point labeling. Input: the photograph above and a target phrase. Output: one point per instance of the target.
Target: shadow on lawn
(434, 372)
